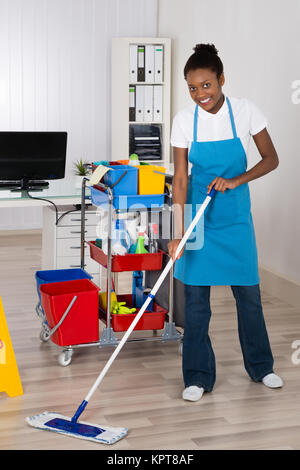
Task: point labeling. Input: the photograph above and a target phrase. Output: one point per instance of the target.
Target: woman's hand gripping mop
(97, 433)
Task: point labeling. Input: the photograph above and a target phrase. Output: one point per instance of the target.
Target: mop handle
(151, 295)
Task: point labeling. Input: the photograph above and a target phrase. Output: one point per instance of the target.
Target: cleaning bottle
(137, 286)
(131, 227)
(103, 300)
(140, 248)
(153, 244)
(134, 245)
(120, 239)
(98, 242)
(134, 159)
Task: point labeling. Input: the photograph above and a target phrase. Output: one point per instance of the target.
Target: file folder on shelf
(141, 64)
(157, 103)
(139, 103)
(149, 63)
(158, 63)
(132, 103)
(133, 57)
(148, 103)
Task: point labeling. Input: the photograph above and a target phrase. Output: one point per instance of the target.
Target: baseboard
(280, 287)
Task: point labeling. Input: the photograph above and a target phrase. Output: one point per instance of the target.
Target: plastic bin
(128, 262)
(128, 185)
(104, 163)
(81, 325)
(59, 275)
(149, 321)
(99, 197)
(149, 181)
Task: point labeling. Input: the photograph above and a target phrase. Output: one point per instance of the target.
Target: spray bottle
(120, 240)
(153, 244)
(140, 247)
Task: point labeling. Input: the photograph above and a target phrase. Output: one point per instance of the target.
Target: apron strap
(231, 118)
(195, 123)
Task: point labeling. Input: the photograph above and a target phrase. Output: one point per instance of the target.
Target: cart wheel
(44, 335)
(64, 359)
(180, 348)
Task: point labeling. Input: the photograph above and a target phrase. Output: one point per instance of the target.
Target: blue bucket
(128, 184)
(59, 275)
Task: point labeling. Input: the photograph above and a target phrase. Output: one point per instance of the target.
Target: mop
(99, 433)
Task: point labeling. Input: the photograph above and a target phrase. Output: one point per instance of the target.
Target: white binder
(133, 56)
(157, 103)
(148, 103)
(139, 103)
(158, 63)
(141, 64)
(132, 103)
(149, 63)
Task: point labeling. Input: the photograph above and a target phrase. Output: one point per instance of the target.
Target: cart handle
(53, 330)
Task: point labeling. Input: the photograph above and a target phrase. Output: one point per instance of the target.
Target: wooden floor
(142, 390)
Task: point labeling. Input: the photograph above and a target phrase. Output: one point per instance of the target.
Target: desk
(61, 243)
(61, 192)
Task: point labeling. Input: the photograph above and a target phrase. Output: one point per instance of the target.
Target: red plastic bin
(149, 321)
(105, 163)
(81, 325)
(128, 262)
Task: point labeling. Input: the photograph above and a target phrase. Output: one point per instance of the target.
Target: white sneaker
(272, 381)
(192, 393)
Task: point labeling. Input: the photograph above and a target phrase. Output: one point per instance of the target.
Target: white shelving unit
(120, 96)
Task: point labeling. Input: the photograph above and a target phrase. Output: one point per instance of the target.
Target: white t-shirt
(248, 119)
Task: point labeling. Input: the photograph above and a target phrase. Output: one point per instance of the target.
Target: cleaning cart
(63, 310)
(125, 190)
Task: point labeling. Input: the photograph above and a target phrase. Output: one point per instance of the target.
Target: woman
(213, 136)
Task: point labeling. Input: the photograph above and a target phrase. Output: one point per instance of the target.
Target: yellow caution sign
(9, 375)
(2, 352)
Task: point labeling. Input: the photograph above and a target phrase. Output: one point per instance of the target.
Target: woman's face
(206, 89)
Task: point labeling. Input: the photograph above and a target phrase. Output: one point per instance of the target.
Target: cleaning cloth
(81, 429)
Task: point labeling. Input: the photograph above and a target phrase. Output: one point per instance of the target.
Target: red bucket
(81, 325)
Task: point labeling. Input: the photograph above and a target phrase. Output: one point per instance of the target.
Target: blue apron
(222, 248)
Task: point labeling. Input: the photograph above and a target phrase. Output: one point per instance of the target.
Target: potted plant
(81, 169)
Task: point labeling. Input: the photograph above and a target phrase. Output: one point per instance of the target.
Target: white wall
(258, 42)
(55, 73)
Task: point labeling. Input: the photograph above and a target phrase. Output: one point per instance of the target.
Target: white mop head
(82, 430)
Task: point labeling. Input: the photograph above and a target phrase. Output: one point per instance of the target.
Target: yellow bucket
(149, 181)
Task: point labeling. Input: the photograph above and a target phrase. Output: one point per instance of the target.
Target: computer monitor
(27, 158)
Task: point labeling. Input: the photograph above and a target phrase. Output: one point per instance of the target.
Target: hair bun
(199, 48)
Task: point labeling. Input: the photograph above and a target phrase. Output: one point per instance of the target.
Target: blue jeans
(198, 359)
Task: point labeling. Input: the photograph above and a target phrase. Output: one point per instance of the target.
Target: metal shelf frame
(108, 338)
